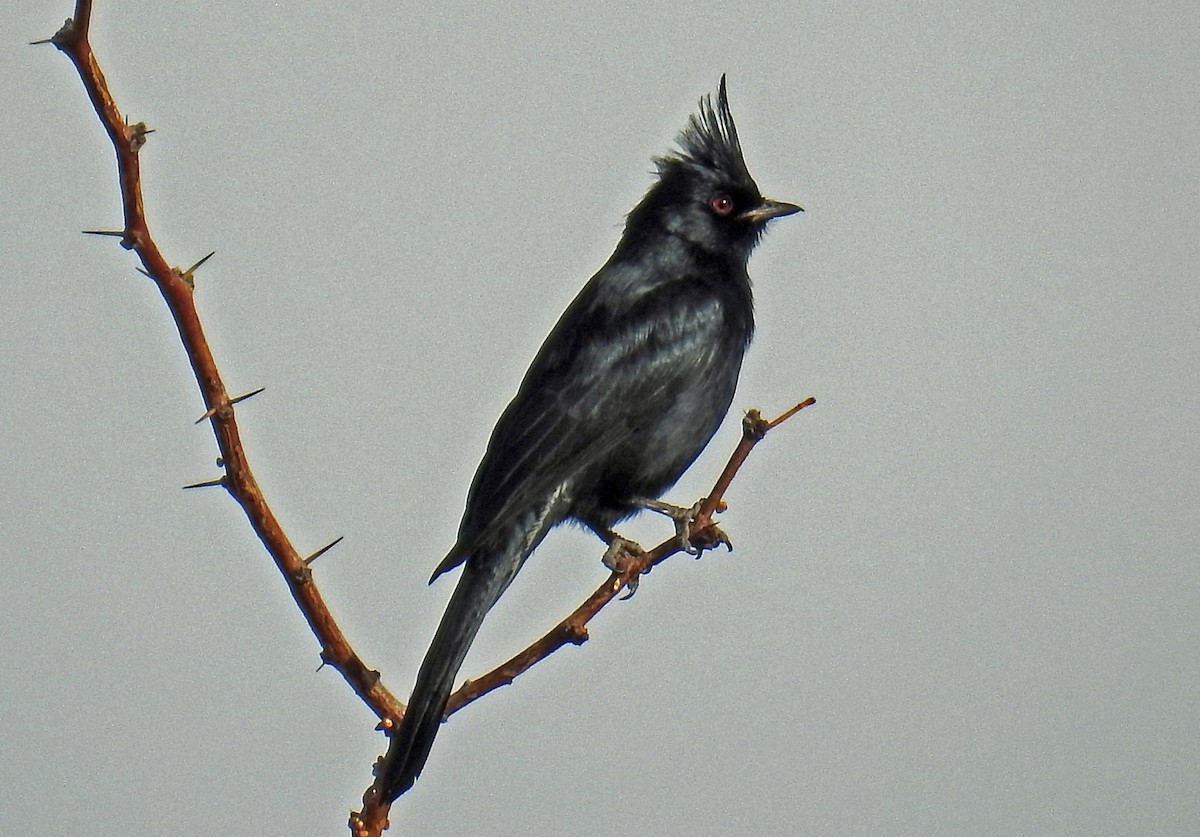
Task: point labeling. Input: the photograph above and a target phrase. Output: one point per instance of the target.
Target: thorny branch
(177, 287)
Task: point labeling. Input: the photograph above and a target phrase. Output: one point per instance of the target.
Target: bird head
(705, 193)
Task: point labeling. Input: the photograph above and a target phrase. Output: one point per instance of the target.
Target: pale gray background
(966, 591)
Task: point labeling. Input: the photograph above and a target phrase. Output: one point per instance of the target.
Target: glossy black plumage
(625, 392)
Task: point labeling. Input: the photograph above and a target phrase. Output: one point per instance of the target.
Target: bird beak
(769, 209)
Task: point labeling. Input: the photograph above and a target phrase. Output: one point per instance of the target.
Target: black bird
(624, 394)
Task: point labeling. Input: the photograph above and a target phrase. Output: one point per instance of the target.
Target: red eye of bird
(721, 204)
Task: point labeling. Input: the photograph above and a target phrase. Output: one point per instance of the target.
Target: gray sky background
(966, 595)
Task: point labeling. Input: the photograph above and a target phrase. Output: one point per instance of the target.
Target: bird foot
(694, 534)
(617, 557)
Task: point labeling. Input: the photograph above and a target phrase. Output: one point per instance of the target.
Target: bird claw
(617, 557)
(714, 536)
(707, 535)
(631, 586)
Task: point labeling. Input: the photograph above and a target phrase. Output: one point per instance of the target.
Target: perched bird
(626, 391)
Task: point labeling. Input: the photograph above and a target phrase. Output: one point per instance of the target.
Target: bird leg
(710, 535)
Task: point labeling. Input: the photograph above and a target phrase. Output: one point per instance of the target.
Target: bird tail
(484, 578)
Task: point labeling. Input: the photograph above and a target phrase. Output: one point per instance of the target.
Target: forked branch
(177, 287)
(372, 820)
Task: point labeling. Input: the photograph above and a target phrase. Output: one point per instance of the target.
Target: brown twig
(573, 630)
(372, 820)
(177, 287)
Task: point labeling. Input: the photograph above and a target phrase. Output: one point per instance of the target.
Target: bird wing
(599, 377)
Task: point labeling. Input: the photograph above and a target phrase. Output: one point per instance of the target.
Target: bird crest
(710, 141)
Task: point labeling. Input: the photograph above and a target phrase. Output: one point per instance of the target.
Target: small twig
(807, 402)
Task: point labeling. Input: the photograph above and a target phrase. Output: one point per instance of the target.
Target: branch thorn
(309, 560)
(137, 135)
(192, 269)
(219, 481)
(59, 38)
(250, 394)
(212, 411)
(68, 33)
